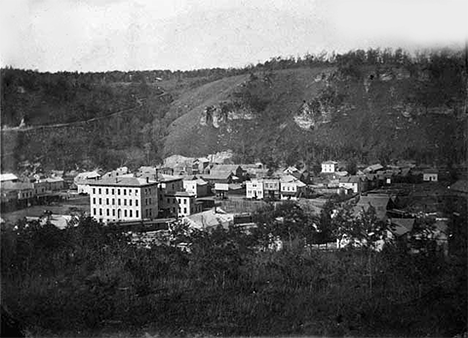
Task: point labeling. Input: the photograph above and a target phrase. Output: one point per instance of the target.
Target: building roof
(352, 179)
(123, 182)
(87, 175)
(184, 194)
(402, 226)
(330, 162)
(168, 178)
(461, 186)
(52, 179)
(431, 171)
(374, 167)
(210, 219)
(7, 177)
(8, 185)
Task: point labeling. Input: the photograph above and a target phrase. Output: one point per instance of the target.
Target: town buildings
(329, 167)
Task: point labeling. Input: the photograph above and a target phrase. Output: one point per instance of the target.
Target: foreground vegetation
(86, 279)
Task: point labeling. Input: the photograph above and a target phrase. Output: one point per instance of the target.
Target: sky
(102, 35)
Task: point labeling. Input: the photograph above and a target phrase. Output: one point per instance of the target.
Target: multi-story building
(291, 188)
(254, 189)
(187, 205)
(271, 187)
(167, 187)
(196, 186)
(123, 199)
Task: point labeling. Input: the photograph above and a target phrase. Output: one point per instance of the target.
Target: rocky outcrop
(217, 116)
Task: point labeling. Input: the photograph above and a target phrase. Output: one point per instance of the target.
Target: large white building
(123, 199)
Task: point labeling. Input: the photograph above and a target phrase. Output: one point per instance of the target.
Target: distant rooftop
(123, 182)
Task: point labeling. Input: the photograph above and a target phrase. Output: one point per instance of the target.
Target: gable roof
(352, 179)
(8, 177)
(374, 167)
(210, 219)
(402, 226)
(461, 186)
(330, 162)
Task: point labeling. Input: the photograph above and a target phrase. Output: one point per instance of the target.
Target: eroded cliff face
(221, 114)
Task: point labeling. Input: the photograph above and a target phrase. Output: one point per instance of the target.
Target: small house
(430, 175)
(329, 167)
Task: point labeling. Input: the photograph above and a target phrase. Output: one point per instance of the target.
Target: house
(254, 189)
(40, 187)
(168, 185)
(291, 188)
(196, 186)
(17, 191)
(82, 181)
(271, 187)
(380, 202)
(329, 167)
(430, 175)
(187, 205)
(123, 199)
(356, 183)
(221, 188)
(53, 183)
(8, 178)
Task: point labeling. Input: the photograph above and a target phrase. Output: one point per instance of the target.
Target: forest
(91, 280)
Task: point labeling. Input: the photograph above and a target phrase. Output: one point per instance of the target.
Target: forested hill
(363, 105)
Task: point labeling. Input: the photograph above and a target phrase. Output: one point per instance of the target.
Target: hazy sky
(99, 35)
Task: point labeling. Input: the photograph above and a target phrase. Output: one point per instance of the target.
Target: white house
(187, 204)
(355, 183)
(123, 199)
(254, 189)
(291, 187)
(431, 175)
(329, 166)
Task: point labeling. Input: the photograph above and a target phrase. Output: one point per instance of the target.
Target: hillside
(363, 106)
(315, 114)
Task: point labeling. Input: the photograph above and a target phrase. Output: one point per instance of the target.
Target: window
(136, 213)
(118, 191)
(130, 202)
(125, 213)
(125, 202)
(136, 192)
(113, 201)
(172, 186)
(150, 201)
(107, 201)
(94, 190)
(130, 213)
(178, 200)
(100, 200)
(107, 212)
(113, 191)
(185, 210)
(94, 211)
(168, 201)
(94, 200)
(113, 212)
(185, 201)
(100, 212)
(99, 191)
(107, 191)
(136, 202)
(125, 191)
(118, 201)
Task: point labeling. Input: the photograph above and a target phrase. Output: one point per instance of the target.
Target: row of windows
(112, 201)
(119, 191)
(148, 213)
(178, 200)
(126, 213)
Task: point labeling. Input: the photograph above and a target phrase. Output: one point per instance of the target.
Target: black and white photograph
(233, 168)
